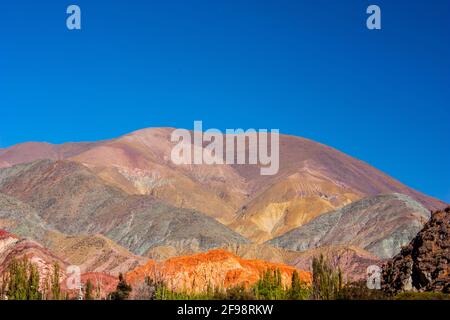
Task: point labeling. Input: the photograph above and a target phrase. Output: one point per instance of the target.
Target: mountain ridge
(313, 179)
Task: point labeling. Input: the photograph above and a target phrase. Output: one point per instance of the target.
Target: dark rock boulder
(423, 265)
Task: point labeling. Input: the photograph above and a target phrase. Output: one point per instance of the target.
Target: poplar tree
(55, 286)
(88, 292)
(327, 282)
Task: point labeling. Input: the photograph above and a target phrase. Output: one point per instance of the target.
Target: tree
(358, 290)
(123, 290)
(56, 288)
(239, 292)
(269, 286)
(21, 281)
(327, 282)
(88, 290)
(18, 284)
(33, 292)
(299, 290)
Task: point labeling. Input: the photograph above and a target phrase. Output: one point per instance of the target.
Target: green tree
(88, 290)
(56, 288)
(21, 281)
(299, 290)
(239, 292)
(18, 283)
(358, 290)
(269, 286)
(123, 290)
(327, 282)
(33, 292)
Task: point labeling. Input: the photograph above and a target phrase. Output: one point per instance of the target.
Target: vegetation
(327, 282)
(21, 281)
(358, 291)
(123, 290)
(88, 291)
(299, 290)
(269, 287)
(56, 288)
(422, 296)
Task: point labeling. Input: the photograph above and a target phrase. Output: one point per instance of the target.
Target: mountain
(152, 224)
(139, 163)
(70, 198)
(93, 253)
(21, 219)
(313, 179)
(32, 151)
(422, 265)
(14, 247)
(107, 206)
(67, 195)
(380, 225)
(215, 268)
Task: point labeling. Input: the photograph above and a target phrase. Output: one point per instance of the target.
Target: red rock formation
(216, 268)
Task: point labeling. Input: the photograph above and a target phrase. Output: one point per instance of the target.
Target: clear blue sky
(309, 68)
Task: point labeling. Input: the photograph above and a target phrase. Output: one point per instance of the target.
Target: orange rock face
(214, 269)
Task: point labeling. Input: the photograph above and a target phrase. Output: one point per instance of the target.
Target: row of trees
(22, 281)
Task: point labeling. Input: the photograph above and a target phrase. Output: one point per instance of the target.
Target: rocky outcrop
(213, 269)
(380, 225)
(422, 265)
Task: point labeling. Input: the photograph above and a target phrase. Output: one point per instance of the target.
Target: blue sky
(309, 68)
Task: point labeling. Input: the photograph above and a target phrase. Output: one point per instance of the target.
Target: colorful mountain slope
(72, 199)
(380, 225)
(213, 269)
(94, 253)
(313, 179)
